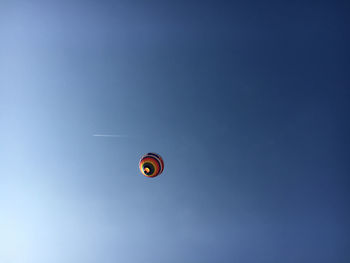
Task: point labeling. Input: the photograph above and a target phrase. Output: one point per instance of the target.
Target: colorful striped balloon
(151, 165)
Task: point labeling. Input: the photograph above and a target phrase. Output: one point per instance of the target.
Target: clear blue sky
(247, 102)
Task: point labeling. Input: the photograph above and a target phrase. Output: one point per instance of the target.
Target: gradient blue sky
(247, 101)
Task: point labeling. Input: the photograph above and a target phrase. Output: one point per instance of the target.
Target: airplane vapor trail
(110, 135)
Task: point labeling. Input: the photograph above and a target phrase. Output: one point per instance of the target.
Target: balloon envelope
(151, 165)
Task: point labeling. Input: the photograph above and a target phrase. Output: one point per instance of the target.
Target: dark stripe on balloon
(159, 159)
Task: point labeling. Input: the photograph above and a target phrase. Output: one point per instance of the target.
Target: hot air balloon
(151, 165)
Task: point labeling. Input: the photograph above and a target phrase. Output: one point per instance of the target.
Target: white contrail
(110, 135)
